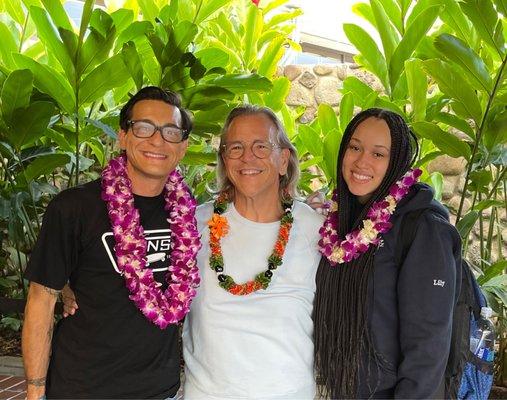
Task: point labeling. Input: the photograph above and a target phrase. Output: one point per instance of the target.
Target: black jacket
(411, 305)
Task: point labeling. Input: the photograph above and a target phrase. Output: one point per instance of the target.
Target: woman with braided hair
(383, 314)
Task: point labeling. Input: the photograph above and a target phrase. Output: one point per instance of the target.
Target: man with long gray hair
(249, 332)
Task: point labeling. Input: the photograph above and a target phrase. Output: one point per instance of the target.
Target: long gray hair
(289, 181)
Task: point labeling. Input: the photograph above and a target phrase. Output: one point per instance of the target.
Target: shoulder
(428, 224)
(203, 213)
(307, 219)
(75, 198)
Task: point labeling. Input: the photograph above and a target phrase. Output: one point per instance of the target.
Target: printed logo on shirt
(158, 253)
(438, 282)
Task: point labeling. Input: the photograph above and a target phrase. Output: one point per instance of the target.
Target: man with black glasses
(126, 243)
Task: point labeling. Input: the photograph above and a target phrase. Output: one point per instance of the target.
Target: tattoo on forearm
(37, 381)
(52, 292)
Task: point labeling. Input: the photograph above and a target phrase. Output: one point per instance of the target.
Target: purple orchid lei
(170, 306)
(358, 241)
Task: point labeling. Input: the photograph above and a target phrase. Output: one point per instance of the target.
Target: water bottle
(482, 340)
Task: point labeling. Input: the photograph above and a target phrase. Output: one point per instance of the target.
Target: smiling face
(255, 178)
(151, 160)
(366, 158)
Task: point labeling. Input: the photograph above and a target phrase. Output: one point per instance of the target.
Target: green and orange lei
(219, 227)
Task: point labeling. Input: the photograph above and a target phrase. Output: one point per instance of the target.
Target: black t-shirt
(108, 349)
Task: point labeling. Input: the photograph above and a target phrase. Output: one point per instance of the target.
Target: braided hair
(341, 334)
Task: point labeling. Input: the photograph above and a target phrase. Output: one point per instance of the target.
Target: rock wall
(312, 85)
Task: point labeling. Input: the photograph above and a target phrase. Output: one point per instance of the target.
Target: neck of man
(259, 210)
(147, 186)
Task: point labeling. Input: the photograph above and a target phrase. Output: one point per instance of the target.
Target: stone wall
(312, 85)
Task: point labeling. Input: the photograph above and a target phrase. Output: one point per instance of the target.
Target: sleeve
(55, 253)
(428, 286)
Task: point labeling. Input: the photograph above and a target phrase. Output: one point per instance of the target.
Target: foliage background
(441, 64)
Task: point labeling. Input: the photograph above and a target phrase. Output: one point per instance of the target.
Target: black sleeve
(428, 287)
(54, 256)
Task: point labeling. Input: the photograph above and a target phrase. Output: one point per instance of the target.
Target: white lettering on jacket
(438, 282)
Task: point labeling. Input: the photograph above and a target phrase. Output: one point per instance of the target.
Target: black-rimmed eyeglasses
(259, 148)
(170, 133)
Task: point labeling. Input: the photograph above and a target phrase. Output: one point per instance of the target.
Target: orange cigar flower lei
(219, 227)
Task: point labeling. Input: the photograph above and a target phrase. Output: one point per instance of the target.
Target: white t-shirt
(259, 345)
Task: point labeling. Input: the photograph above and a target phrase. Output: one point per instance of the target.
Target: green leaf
(7, 46)
(106, 76)
(181, 37)
(133, 63)
(44, 165)
(384, 102)
(480, 180)
(149, 9)
(373, 58)
(452, 15)
(51, 38)
(393, 11)
(199, 158)
(242, 83)
(473, 66)
(466, 223)
(16, 93)
(496, 281)
(310, 139)
(226, 25)
(485, 204)
(327, 118)
(59, 139)
(209, 7)
(437, 182)
(452, 84)
(49, 81)
(364, 10)
(30, 123)
(212, 57)
(310, 163)
(485, 19)
(496, 129)
(417, 88)
(15, 10)
(501, 6)
(492, 271)
(70, 41)
(330, 152)
(445, 141)
(385, 29)
(414, 34)
(253, 29)
(85, 20)
(276, 97)
(98, 150)
(135, 30)
(271, 57)
(122, 19)
(58, 14)
(272, 5)
(346, 110)
(456, 122)
(283, 17)
(360, 90)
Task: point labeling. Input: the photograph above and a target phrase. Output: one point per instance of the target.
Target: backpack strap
(407, 233)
